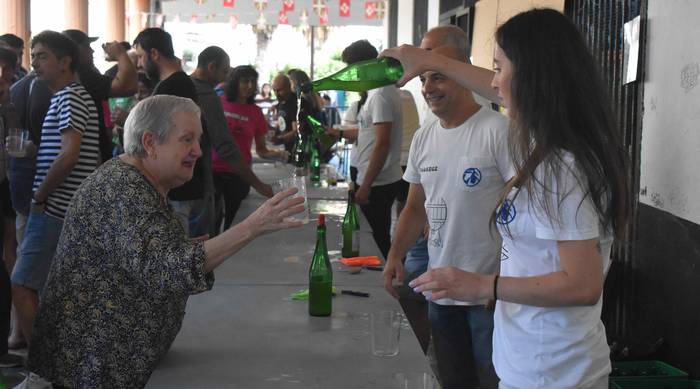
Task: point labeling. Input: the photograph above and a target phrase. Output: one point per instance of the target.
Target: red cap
(321, 219)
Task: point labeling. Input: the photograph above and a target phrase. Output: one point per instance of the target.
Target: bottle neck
(321, 238)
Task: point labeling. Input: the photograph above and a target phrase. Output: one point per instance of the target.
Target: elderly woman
(124, 268)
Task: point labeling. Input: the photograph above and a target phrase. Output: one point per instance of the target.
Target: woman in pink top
(246, 123)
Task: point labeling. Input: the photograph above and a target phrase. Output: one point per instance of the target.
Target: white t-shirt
(462, 171)
(410, 123)
(548, 347)
(350, 118)
(382, 105)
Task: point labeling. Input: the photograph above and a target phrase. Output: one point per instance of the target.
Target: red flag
(344, 8)
(288, 5)
(370, 10)
(323, 17)
(282, 18)
(228, 3)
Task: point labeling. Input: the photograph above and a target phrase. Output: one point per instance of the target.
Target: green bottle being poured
(360, 76)
(315, 163)
(319, 132)
(320, 274)
(351, 229)
(300, 155)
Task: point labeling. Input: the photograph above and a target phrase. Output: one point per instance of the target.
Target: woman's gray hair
(155, 115)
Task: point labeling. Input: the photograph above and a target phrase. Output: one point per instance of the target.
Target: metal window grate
(601, 22)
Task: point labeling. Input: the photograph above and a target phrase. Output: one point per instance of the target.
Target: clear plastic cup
(386, 329)
(16, 142)
(298, 182)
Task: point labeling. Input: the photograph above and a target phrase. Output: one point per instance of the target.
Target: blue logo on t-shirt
(471, 177)
(505, 213)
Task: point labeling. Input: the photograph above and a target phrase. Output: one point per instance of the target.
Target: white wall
(404, 28)
(670, 151)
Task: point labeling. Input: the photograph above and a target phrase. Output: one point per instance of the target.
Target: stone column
(14, 19)
(137, 17)
(76, 15)
(115, 20)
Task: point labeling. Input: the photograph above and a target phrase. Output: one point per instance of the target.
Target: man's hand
(393, 270)
(113, 49)
(362, 195)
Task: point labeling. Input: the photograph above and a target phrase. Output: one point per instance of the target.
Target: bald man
(457, 167)
(286, 112)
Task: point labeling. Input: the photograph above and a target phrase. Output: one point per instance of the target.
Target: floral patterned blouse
(119, 282)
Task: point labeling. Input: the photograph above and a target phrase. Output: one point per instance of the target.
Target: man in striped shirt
(68, 153)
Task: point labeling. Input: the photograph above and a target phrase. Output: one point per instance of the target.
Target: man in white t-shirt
(458, 166)
(378, 150)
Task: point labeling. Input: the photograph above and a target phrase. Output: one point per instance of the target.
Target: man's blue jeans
(462, 336)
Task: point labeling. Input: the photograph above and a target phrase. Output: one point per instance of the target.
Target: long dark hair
(356, 52)
(234, 78)
(299, 77)
(560, 104)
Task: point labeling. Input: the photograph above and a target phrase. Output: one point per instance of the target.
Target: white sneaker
(34, 381)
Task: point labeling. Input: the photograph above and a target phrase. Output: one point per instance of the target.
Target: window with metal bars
(601, 23)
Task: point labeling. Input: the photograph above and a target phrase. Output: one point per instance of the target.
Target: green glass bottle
(300, 156)
(320, 274)
(360, 76)
(319, 132)
(351, 229)
(315, 163)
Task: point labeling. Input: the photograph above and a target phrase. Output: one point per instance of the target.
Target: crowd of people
(123, 200)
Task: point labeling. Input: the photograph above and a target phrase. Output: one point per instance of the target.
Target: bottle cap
(321, 219)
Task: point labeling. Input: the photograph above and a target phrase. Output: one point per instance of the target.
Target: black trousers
(378, 213)
(230, 192)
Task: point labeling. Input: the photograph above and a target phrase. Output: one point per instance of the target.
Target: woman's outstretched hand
(271, 215)
(412, 58)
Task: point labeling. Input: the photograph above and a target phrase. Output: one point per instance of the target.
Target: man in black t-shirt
(154, 49)
(101, 87)
(286, 111)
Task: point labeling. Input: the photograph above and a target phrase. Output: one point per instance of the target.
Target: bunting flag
(370, 10)
(200, 2)
(228, 3)
(260, 5)
(160, 18)
(233, 21)
(177, 18)
(262, 22)
(282, 18)
(323, 17)
(318, 6)
(144, 20)
(288, 5)
(344, 8)
(193, 18)
(304, 19)
(380, 9)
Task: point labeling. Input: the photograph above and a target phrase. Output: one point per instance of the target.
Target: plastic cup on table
(385, 331)
(298, 182)
(416, 380)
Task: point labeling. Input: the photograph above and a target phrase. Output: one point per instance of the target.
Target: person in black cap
(101, 87)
